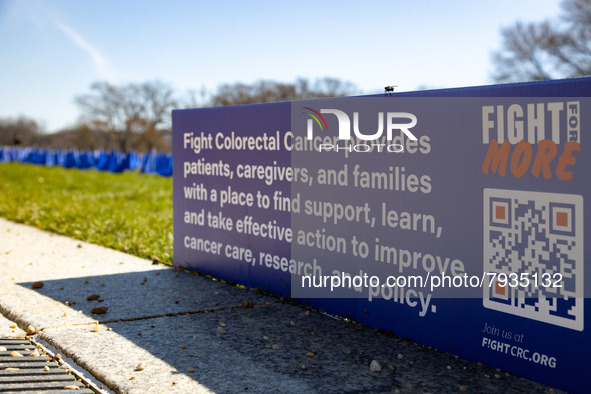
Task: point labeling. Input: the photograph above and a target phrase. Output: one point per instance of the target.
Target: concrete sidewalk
(190, 334)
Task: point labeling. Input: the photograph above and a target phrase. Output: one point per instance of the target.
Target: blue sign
(453, 217)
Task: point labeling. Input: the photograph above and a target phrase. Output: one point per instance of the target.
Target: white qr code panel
(533, 242)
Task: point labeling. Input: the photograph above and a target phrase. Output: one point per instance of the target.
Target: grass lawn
(130, 212)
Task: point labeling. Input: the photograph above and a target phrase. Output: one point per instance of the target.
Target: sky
(53, 50)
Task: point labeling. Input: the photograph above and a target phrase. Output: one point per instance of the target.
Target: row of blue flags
(113, 161)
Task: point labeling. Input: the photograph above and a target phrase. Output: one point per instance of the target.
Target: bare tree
(332, 87)
(128, 110)
(20, 132)
(547, 50)
(265, 91)
(194, 98)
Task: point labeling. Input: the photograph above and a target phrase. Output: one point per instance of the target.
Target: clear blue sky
(52, 50)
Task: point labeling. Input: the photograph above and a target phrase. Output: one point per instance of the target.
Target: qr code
(535, 240)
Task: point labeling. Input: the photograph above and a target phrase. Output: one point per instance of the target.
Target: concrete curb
(170, 331)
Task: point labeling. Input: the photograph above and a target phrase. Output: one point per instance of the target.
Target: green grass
(129, 212)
